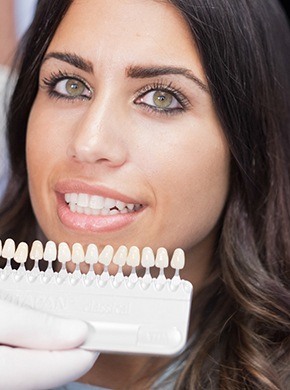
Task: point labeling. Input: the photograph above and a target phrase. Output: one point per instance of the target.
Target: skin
(176, 163)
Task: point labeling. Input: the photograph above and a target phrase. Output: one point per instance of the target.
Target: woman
(180, 109)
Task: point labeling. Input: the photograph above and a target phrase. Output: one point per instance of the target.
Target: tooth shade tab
(64, 253)
(178, 259)
(147, 258)
(133, 258)
(92, 254)
(106, 255)
(120, 256)
(8, 250)
(49, 251)
(78, 255)
(36, 252)
(21, 253)
(162, 259)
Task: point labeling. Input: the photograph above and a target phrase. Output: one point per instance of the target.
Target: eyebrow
(132, 71)
(71, 59)
(149, 72)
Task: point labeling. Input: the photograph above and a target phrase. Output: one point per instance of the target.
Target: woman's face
(123, 144)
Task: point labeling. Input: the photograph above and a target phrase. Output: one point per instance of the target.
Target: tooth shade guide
(130, 310)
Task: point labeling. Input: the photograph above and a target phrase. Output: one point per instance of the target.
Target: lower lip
(93, 223)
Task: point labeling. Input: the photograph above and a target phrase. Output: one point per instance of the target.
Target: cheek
(41, 151)
(194, 168)
(190, 179)
(43, 144)
(34, 149)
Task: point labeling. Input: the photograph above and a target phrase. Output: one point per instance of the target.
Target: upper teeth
(95, 204)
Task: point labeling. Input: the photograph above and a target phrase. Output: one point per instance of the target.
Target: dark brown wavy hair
(242, 315)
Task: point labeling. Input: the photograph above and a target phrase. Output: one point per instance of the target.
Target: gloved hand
(39, 351)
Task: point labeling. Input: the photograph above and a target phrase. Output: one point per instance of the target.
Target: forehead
(126, 30)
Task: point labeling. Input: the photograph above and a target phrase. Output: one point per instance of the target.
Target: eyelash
(176, 93)
(51, 82)
(55, 78)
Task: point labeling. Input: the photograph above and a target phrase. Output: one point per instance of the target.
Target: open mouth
(98, 205)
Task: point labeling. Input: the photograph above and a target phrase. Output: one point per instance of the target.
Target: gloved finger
(24, 327)
(23, 369)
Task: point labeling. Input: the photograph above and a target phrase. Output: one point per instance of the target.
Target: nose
(98, 137)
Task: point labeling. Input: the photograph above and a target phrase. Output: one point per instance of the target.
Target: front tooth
(147, 259)
(96, 202)
(106, 255)
(109, 203)
(36, 252)
(121, 256)
(92, 254)
(133, 258)
(83, 200)
(78, 254)
(8, 249)
(49, 251)
(178, 259)
(21, 253)
(162, 260)
(64, 254)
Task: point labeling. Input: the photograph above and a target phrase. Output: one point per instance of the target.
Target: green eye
(74, 87)
(69, 88)
(162, 99)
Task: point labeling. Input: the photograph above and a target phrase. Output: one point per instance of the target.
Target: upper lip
(76, 186)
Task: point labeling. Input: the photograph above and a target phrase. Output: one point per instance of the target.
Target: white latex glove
(39, 351)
